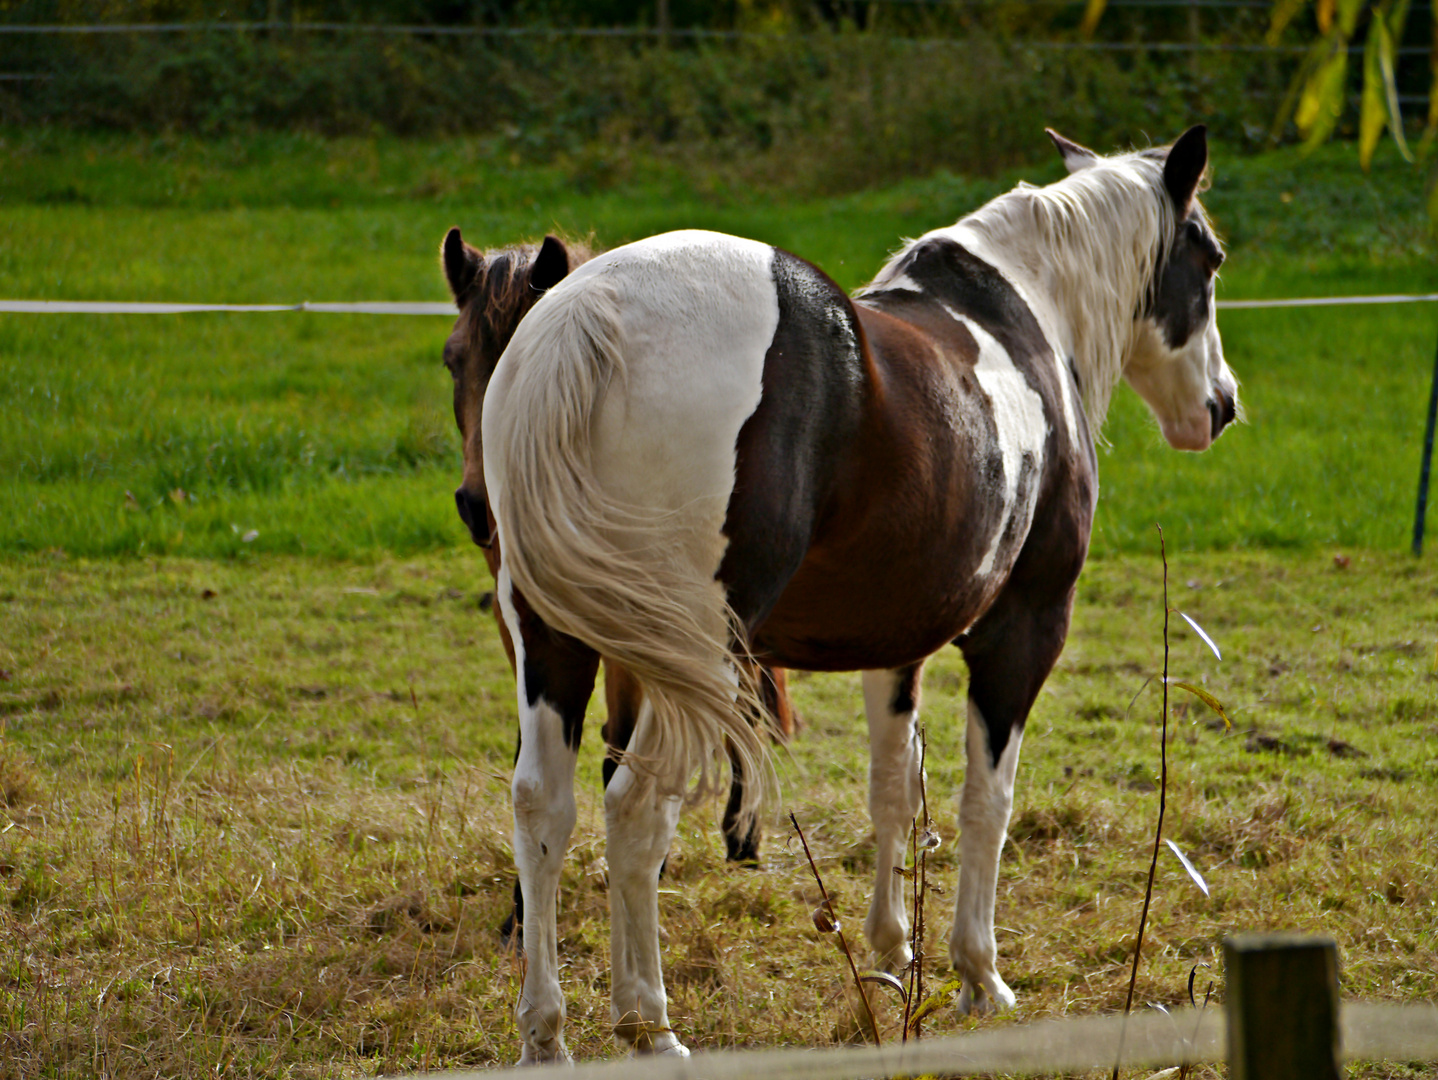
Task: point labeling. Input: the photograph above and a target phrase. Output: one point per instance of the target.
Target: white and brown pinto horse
(698, 447)
(494, 290)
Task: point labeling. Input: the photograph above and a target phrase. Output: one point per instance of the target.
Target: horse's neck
(1085, 309)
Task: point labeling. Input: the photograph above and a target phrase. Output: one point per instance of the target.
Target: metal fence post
(1426, 464)
(1282, 1007)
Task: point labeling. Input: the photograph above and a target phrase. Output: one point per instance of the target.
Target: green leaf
(1386, 52)
(1348, 12)
(1372, 112)
(1284, 12)
(1208, 699)
(935, 1001)
(1433, 202)
(1321, 102)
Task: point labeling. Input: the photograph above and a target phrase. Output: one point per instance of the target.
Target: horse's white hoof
(895, 961)
(551, 1052)
(988, 995)
(658, 1044)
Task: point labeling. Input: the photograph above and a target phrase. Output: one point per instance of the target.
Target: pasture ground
(255, 791)
(260, 814)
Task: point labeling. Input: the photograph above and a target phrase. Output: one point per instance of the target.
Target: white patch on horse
(544, 816)
(900, 280)
(1019, 419)
(894, 795)
(699, 316)
(640, 823)
(984, 809)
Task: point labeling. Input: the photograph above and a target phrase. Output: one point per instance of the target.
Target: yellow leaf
(1209, 700)
(1321, 102)
(935, 1001)
(1325, 15)
(1092, 13)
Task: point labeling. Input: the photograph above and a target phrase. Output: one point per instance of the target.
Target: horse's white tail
(620, 578)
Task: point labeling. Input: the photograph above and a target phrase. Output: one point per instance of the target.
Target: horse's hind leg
(640, 821)
(891, 702)
(1009, 653)
(741, 837)
(556, 677)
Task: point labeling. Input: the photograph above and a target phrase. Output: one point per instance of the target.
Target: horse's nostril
(1230, 409)
(1215, 416)
(473, 513)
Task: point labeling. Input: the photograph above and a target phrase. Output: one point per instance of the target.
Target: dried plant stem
(838, 929)
(921, 864)
(1162, 799)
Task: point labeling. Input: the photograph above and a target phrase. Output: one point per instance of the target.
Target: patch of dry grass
(235, 844)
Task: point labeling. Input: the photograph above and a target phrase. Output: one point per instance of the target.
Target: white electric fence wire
(385, 307)
(1370, 1032)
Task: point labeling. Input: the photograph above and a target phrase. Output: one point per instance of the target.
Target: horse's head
(493, 292)
(1175, 359)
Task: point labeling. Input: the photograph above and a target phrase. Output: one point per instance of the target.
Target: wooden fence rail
(1280, 989)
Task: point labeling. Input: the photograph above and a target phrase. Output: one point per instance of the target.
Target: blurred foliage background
(816, 95)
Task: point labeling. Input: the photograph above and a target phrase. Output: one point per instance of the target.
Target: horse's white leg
(640, 822)
(891, 702)
(984, 810)
(555, 677)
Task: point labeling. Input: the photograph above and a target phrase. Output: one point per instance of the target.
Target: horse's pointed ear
(1075, 157)
(551, 265)
(461, 263)
(1183, 169)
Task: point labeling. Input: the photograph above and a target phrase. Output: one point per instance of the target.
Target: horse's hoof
(991, 995)
(663, 1044)
(552, 1053)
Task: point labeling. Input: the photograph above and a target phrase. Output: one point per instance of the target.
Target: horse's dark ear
(551, 265)
(461, 263)
(1183, 169)
(1075, 157)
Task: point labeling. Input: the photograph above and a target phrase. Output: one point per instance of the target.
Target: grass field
(330, 435)
(267, 811)
(255, 733)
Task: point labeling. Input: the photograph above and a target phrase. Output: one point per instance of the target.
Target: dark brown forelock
(500, 295)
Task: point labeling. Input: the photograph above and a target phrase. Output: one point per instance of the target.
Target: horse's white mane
(1083, 251)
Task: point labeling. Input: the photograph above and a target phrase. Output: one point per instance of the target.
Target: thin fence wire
(405, 307)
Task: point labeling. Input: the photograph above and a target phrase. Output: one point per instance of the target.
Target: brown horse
(494, 290)
(698, 448)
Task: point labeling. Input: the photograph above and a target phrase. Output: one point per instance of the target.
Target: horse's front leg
(891, 702)
(555, 676)
(640, 821)
(1009, 653)
(984, 809)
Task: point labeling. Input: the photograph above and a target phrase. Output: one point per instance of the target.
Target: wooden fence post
(1282, 994)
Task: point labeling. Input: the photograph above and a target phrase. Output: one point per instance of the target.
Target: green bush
(816, 112)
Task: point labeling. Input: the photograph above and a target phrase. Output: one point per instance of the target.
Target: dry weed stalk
(833, 925)
(1162, 800)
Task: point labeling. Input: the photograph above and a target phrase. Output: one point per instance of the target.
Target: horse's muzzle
(475, 514)
(1222, 412)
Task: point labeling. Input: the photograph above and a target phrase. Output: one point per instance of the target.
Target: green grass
(261, 814)
(255, 771)
(331, 434)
